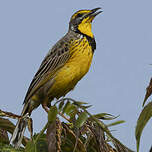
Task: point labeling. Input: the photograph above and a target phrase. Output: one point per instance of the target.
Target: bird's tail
(19, 130)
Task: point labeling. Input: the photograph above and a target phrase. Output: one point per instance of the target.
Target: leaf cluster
(79, 131)
(145, 115)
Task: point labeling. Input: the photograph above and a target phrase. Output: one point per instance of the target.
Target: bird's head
(81, 21)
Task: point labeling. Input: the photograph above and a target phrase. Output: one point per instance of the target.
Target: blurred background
(120, 71)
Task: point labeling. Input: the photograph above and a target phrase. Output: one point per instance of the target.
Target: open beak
(93, 13)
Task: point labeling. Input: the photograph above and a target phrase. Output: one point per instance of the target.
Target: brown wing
(55, 59)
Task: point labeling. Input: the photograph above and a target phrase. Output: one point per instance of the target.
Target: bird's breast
(75, 68)
(81, 57)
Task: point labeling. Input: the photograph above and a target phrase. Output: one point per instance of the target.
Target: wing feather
(55, 59)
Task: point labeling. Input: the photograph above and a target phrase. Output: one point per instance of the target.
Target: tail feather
(18, 133)
(19, 130)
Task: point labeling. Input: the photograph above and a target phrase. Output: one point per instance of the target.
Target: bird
(64, 65)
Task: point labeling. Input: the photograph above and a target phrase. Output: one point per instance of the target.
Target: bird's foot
(45, 107)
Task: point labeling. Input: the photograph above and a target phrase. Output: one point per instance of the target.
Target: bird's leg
(45, 105)
(30, 126)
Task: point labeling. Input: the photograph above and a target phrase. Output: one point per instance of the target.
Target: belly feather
(68, 76)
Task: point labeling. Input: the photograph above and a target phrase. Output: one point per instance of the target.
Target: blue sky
(120, 71)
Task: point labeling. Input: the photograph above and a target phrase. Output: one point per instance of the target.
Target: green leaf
(119, 146)
(105, 116)
(148, 91)
(79, 103)
(7, 125)
(116, 123)
(9, 148)
(99, 135)
(30, 147)
(39, 145)
(144, 117)
(66, 107)
(69, 141)
(85, 107)
(73, 114)
(52, 114)
(81, 119)
(61, 105)
(70, 109)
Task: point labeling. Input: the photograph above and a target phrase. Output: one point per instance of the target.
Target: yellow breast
(76, 67)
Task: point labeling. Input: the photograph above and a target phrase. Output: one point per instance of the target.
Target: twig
(63, 99)
(9, 114)
(62, 115)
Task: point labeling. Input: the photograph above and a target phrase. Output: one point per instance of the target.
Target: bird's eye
(79, 15)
